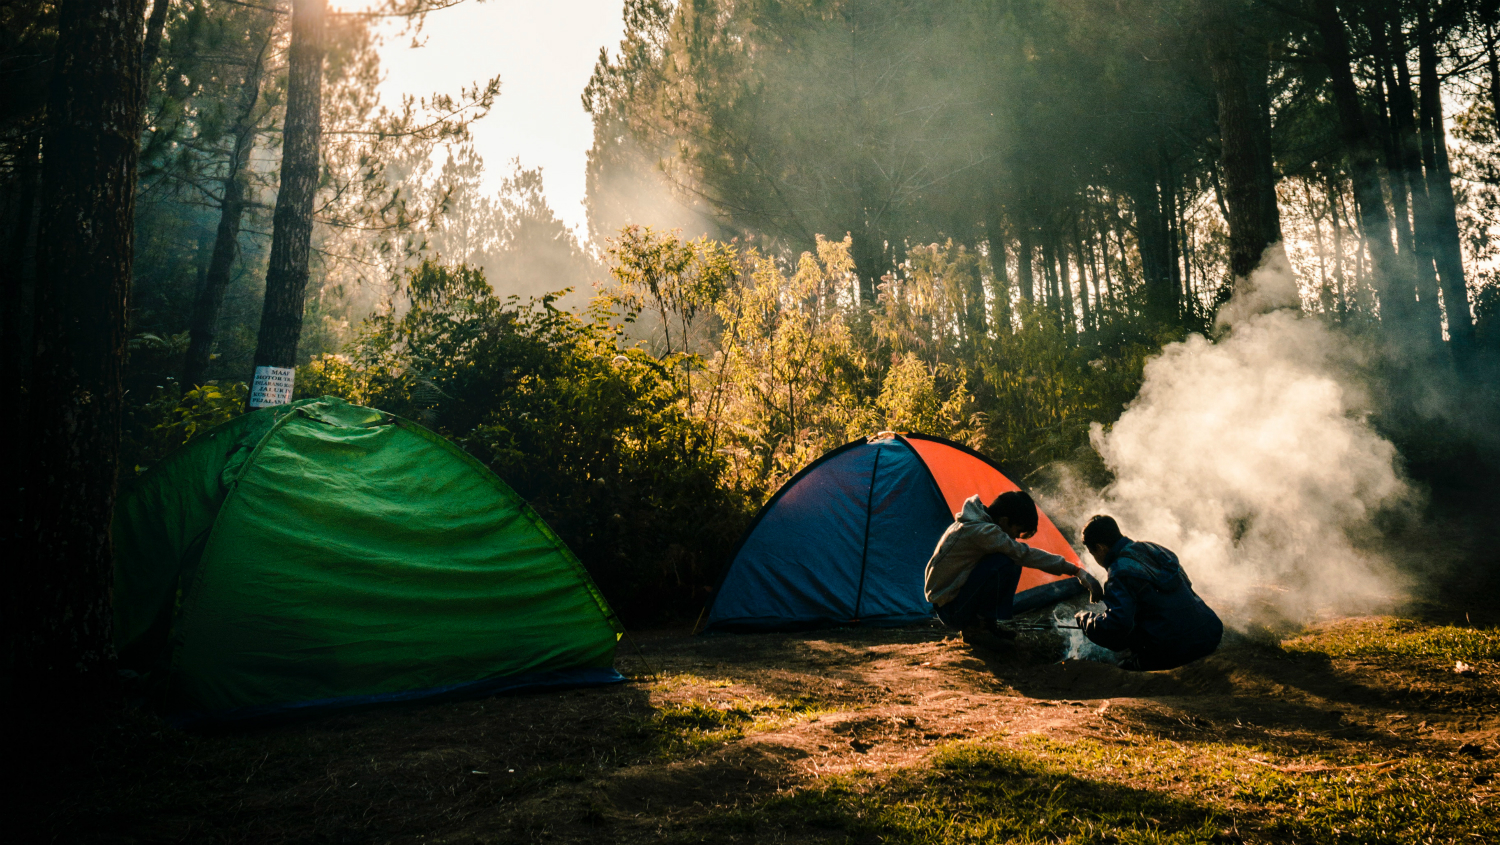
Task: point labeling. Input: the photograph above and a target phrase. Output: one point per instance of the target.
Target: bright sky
(544, 52)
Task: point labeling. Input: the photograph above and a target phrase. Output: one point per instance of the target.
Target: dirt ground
(1354, 731)
(712, 728)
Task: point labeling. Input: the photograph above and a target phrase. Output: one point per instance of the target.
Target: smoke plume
(1252, 458)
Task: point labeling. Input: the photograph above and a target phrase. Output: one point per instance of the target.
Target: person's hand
(1083, 618)
(1090, 583)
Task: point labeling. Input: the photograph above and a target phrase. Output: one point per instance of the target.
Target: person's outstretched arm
(1031, 556)
(1111, 629)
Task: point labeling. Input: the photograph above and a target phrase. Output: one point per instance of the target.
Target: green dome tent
(321, 555)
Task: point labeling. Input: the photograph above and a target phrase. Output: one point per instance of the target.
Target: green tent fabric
(323, 554)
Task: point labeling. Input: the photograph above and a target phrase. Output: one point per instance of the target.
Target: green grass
(683, 728)
(1391, 637)
(1138, 790)
(978, 792)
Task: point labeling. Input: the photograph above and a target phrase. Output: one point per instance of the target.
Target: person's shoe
(980, 636)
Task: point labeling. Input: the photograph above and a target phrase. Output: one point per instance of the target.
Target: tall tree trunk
(210, 299)
(1154, 241)
(1024, 255)
(1083, 276)
(1493, 52)
(1447, 253)
(1394, 285)
(870, 264)
(58, 607)
(1408, 154)
(1109, 277)
(1065, 285)
(1169, 213)
(1049, 258)
(291, 232)
(994, 223)
(974, 305)
(1335, 203)
(234, 186)
(151, 47)
(20, 215)
(1249, 183)
(17, 269)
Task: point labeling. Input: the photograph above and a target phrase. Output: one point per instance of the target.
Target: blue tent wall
(846, 540)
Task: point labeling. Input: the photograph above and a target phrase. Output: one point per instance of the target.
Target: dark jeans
(987, 594)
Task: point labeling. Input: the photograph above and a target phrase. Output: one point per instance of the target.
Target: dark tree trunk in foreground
(17, 283)
(1446, 251)
(227, 240)
(1245, 158)
(20, 213)
(291, 233)
(59, 592)
(1396, 298)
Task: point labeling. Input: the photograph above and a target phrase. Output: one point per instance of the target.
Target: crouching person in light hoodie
(972, 575)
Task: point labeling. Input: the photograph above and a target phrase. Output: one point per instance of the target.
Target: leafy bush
(171, 418)
(590, 433)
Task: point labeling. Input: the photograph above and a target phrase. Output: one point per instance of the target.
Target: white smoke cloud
(1251, 457)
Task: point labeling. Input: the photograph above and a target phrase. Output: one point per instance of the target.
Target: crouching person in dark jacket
(1151, 610)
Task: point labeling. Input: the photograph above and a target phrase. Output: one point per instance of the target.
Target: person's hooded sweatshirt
(972, 536)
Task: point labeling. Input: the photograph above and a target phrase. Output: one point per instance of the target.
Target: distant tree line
(1135, 156)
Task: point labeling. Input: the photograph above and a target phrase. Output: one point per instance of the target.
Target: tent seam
(192, 589)
(765, 509)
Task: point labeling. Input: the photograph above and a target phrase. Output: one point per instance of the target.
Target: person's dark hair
(1017, 507)
(1102, 530)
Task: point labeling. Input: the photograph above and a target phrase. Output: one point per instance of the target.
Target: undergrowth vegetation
(647, 428)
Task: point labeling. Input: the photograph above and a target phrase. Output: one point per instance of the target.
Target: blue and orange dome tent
(846, 540)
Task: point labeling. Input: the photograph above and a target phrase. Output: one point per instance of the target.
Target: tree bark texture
(1245, 152)
(1396, 298)
(291, 223)
(58, 607)
(1447, 253)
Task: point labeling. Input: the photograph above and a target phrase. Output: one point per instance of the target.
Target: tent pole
(864, 554)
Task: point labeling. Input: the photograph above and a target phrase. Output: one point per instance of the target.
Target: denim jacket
(1151, 609)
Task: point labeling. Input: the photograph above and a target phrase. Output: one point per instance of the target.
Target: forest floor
(1351, 731)
(1354, 731)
